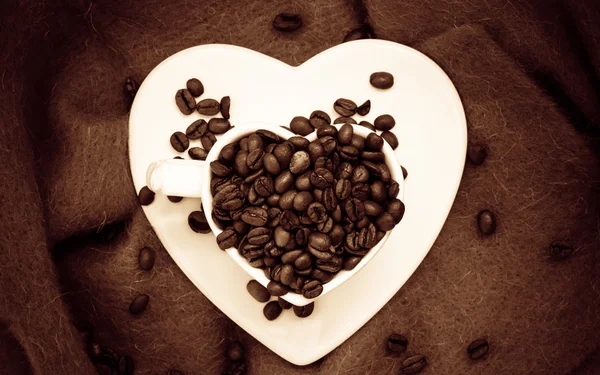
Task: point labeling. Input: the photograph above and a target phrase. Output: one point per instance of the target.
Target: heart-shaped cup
(191, 178)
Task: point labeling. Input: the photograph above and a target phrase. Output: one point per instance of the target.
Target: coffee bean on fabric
(197, 153)
(560, 250)
(391, 139)
(208, 140)
(146, 258)
(179, 141)
(258, 291)
(414, 364)
(477, 153)
(197, 221)
(287, 22)
(344, 120)
(301, 125)
(196, 129)
(364, 108)
(126, 365)
(185, 101)
(384, 122)
(218, 125)
(284, 304)
(272, 310)
(225, 106)
(396, 343)
(478, 349)
(195, 87)
(235, 351)
(345, 107)
(381, 80)
(145, 196)
(139, 304)
(319, 118)
(367, 125)
(486, 222)
(304, 311)
(208, 107)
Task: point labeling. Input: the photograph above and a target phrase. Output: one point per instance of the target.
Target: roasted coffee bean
(373, 209)
(381, 80)
(318, 194)
(304, 311)
(240, 164)
(255, 141)
(304, 261)
(277, 289)
(255, 159)
(274, 214)
(225, 107)
(179, 141)
(283, 152)
(344, 120)
(384, 173)
(208, 107)
(208, 140)
(349, 153)
(255, 216)
(404, 172)
(319, 245)
(393, 189)
(337, 235)
(197, 221)
(325, 162)
(343, 188)
(254, 198)
(345, 107)
(241, 227)
(264, 186)
(268, 136)
(316, 212)
(351, 262)
(315, 150)
(321, 178)
(344, 170)
(289, 220)
(329, 199)
(391, 139)
(323, 276)
(281, 237)
(286, 202)
(396, 343)
(259, 236)
(146, 258)
(219, 223)
(379, 193)
(174, 199)
(228, 153)
(326, 226)
(337, 215)
(197, 153)
(301, 236)
(226, 239)
(270, 148)
(300, 162)
(486, 222)
(327, 130)
(244, 144)
(291, 256)
(334, 264)
(358, 142)
(560, 250)
(299, 143)
(303, 182)
(355, 209)
(302, 201)
(218, 125)
(385, 222)
(319, 118)
(345, 134)
(360, 174)
(185, 101)
(272, 310)
(367, 125)
(271, 164)
(145, 196)
(284, 182)
(384, 122)
(178, 157)
(287, 22)
(352, 246)
(364, 108)
(195, 87)
(271, 250)
(220, 169)
(139, 304)
(126, 365)
(372, 155)
(235, 351)
(312, 289)
(329, 144)
(396, 208)
(363, 223)
(284, 304)
(372, 167)
(478, 349)
(287, 274)
(414, 364)
(361, 191)
(477, 153)
(301, 125)
(368, 236)
(374, 142)
(196, 129)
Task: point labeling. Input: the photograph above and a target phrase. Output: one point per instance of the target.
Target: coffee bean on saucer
(272, 310)
(208, 140)
(179, 141)
(146, 258)
(277, 289)
(345, 107)
(304, 311)
(391, 139)
(126, 365)
(486, 222)
(319, 118)
(396, 343)
(477, 154)
(381, 80)
(218, 125)
(196, 129)
(145, 196)
(208, 107)
(225, 106)
(560, 250)
(478, 349)
(197, 153)
(235, 351)
(185, 101)
(284, 304)
(195, 87)
(344, 120)
(287, 22)
(139, 304)
(257, 291)
(414, 364)
(301, 125)
(364, 108)
(197, 221)
(367, 125)
(384, 122)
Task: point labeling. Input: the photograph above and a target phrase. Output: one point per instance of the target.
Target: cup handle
(176, 177)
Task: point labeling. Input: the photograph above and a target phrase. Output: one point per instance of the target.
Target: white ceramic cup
(191, 178)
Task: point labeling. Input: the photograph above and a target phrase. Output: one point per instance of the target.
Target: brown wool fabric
(65, 266)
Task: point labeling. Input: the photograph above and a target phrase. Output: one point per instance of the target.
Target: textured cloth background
(71, 230)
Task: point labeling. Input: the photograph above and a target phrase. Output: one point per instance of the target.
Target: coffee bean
(361, 191)
(130, 87)
(196, 129)
(286, 202)
(281, 236)
(268, 136)
(197, 221)
(317, 212)
(486, 222)
(284, 304)
(225, 106)
(373, 209)
(197, 153)
(254, 142)
(208, 107)
(272, 310)
(179, 141)
(299, 143)
(104, 369)
(372, 155)
(344, 120)
(297, 284)
(321, 178)
(315, 150)
(319, 245)
(367, 125)
(394, 189)
(343, 188)
(235, 351)
(355, 209)
(226, 239)
(329, 144)
(385, 222)
(139, 304)
(277, 289)
(291, 256)
(345, 134)
(323, 276)
(344, 170)
(329, 199)
(345, 107)
(283, 152)
(477, 153)
(396, 208)
(302, 201)
(301, 125)
(145, 196)
(240, 164)
(220, 169)
(357, 142)
(414, 364)
(264, 186)
(195, 87)
(289, 220)
(174, 199)
(312, 289)
(228, 153)
(391, 139)
(218, 125)
(364, 108)
(126, 365)
(255, 216)
(404, 172)
(351, 262)
(257, 291)
(185, 101)
(304, 261)
(318, 194)
(396, 343)
(303, 182)
(300, 162)
(255, 159)
(381, 80)
(360, 174)
(284, 182)
(372, 167)
(146, 258)
(287, 22)
(241, 227)
(361, 32)
(560, 250)
(349, 153)
(319, 118)
(208, 140)
(287, 274)
(379, 193)
(271, 164)
(334, 264)
(327, 130)
(478, 349)
(304, 311)
(374, 142)
(384, 122)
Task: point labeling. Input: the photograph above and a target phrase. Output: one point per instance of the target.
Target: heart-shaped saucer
(431, 128)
